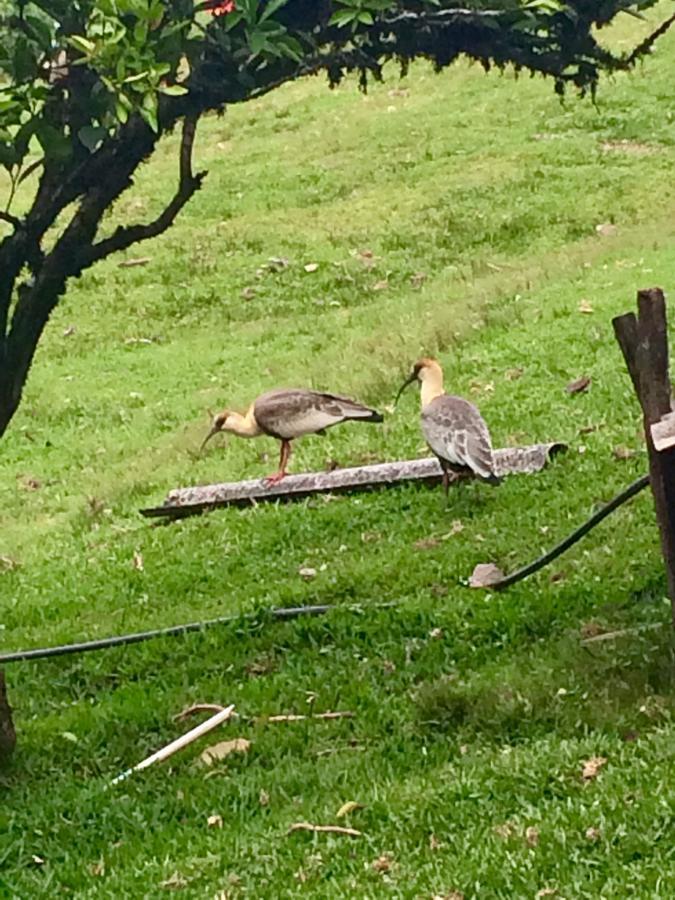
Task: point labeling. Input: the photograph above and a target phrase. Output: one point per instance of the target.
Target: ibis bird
(452, 427)
(288, 414)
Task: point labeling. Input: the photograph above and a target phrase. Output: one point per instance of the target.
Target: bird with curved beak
(288, 414)
(452, 427)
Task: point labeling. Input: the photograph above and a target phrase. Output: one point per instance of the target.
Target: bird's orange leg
(283, 462)
(446, 477)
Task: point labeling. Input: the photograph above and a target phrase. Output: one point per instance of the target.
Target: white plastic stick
(179, 743)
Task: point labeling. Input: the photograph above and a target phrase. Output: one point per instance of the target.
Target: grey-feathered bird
(288, 414)
(453, 428)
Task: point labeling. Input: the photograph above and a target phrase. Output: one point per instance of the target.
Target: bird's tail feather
(367, 415)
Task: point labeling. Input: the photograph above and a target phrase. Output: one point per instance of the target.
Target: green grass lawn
(479, 199)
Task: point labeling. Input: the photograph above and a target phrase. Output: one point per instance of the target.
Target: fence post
(7, 734)
(644, 342)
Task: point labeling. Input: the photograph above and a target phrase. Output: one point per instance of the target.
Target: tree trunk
(7, 733)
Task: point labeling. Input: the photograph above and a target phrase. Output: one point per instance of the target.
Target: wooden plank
(663, 432)
(191, 500)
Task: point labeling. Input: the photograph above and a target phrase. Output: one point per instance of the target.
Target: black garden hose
(295, 612)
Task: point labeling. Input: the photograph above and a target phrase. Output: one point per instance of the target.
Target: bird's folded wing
(457, 432)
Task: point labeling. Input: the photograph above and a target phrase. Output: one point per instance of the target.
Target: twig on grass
(623, 632)
(331, 829)
(291, 717)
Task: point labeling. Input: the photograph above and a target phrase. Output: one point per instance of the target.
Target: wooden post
(7, 734)
(644, 342)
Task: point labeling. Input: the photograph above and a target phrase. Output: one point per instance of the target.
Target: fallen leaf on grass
(261, 666)
(418, 279)
(248, 293)
(97, 869)
(436, 634)
(505, 830)
(531, 836)
(137, 261)
(481, 387)
(307, 573)
(591, 629)
(485, 575)
(349, 807)
(514, 374)
(330, 829)
(592, 767)
(175, 882)
(426, 543)
(31, 484)
(622, 452)
(585, 306)
(263, 797)
(434, 843)
(277, 263)
(547, 892)
(453, 895)
(38, 860)
(215, 821)
(138, 561)
(223, 749)
(579, 385)
(7, 564)
(383, 864)
(593, 834)
(380, 285)
(311, 267)
(69, 331)
(370, 537)
(606, 229)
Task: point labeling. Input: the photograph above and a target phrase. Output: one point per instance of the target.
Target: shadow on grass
(625, 686)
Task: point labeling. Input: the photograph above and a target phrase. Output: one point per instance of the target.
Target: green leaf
(291, 48)
(138, 76)
(173, 90)
(81, 43)
(140, 33)
(271, 8)
(150, 116)
(343, 17)
(257, 41)
(121, 111)
(53, 141)
(91, 136)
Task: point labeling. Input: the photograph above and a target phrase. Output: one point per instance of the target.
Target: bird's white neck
(243, 426)
(432, 385)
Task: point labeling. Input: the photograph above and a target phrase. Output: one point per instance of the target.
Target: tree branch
(13, 220)
(645, 46)
(188, 185)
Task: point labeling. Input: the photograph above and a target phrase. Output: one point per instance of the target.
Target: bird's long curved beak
(208, 438)
(409, 380)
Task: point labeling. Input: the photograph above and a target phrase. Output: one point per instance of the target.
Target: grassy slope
(493, 190)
